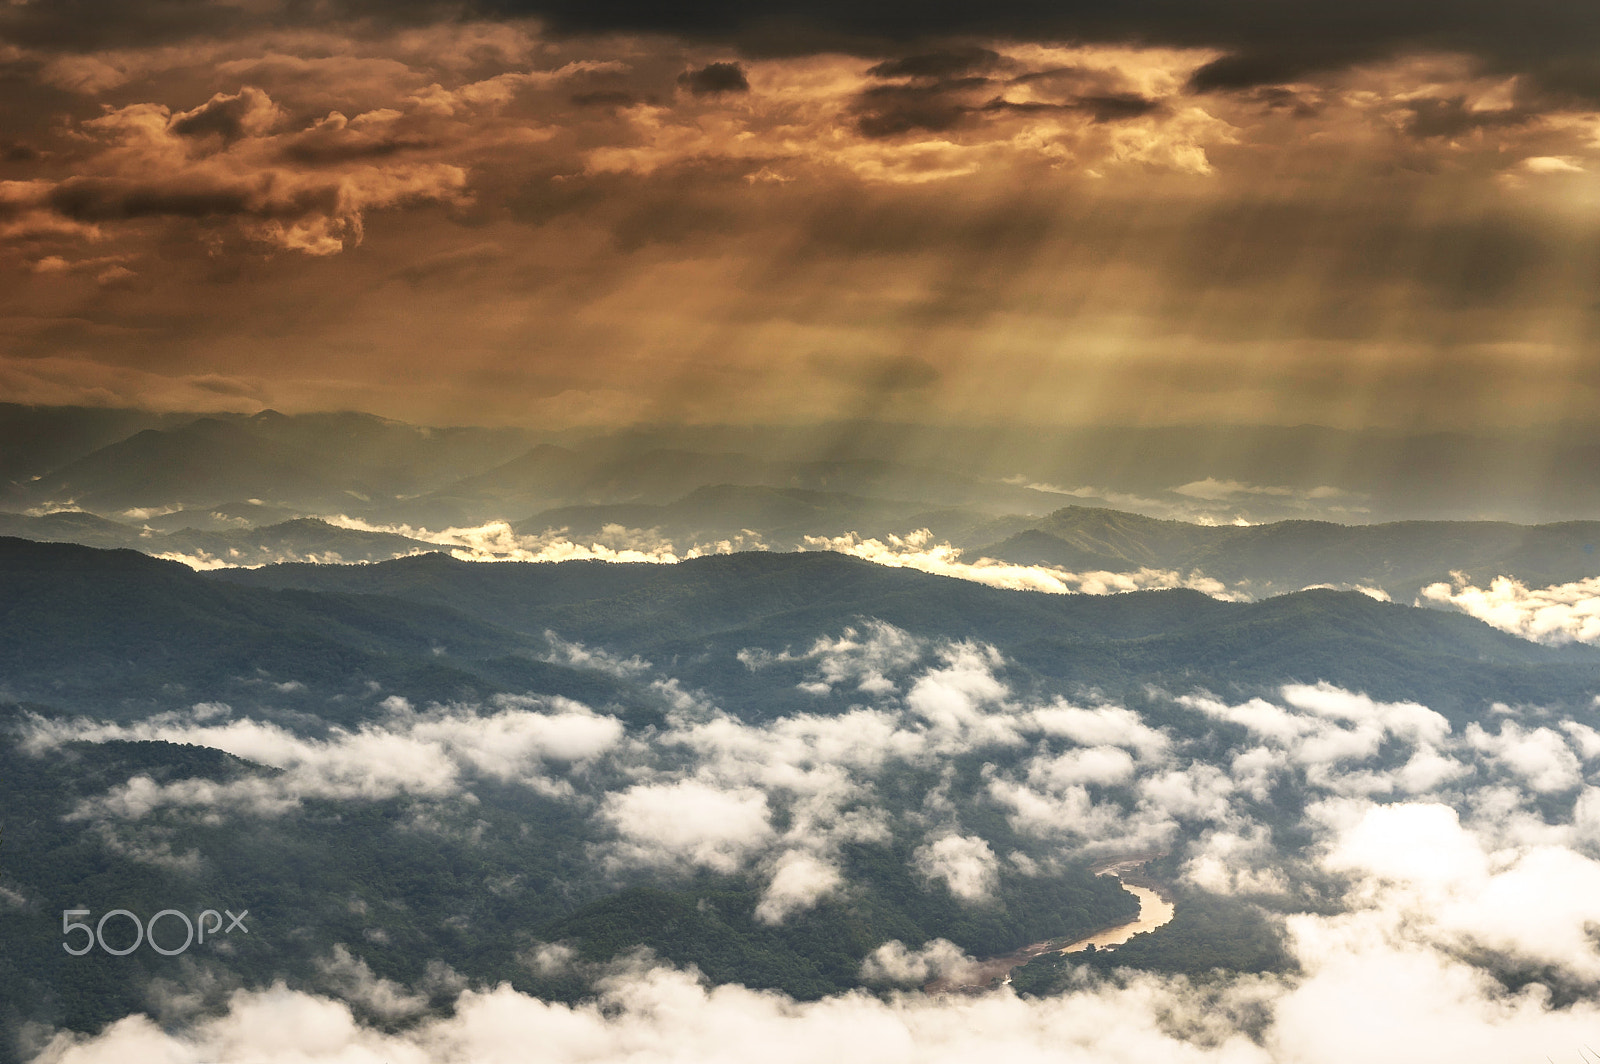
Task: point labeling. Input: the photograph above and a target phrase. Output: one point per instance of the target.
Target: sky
(1360, 215)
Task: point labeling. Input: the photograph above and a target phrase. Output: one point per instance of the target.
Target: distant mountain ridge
(319, 461)
(701, 613)
(246, 490)
(1255, 561)
(1399, 558)
(781, 517)
(296, 539)
(68, 633)
(34, 440)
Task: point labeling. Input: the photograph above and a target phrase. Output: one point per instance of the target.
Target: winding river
(1154, 910)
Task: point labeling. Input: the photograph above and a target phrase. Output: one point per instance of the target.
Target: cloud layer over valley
(1426, 862)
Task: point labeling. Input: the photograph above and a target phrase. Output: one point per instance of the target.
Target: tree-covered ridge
(1398, 557)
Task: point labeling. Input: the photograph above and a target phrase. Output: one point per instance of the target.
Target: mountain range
(426, 774)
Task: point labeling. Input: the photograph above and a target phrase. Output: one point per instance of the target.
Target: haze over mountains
(246, 491)
(110, 462)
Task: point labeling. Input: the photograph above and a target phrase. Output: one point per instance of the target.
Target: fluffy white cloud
(1324, 729)
(354, 981)
(1562, 613)
(955, 698)
(965, 863)
(497, 541)
(1235, 862)
(1100, 726)
(1366, 997)
(1069, 813)
(1198, 792)
(1418, 863)
(865, 657)
(427, 753)
(1101, 765)
(895, 962)
(1405, 719)
(507, 743)
(1429, 885)
(799, 880)
(579, 656)
(1421, 845)
(917, 550)
(687, 822)
(1540, 757)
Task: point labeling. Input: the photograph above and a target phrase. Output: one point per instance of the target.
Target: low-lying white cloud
(799, 880)
(578, 656)
(1435, 848)
(687, 823)
(1561, 613)
(917, 550)
(1538, 904)
(426, 753)
(964, 863)
(895, 962)
(1105, 725)
(1371, 991)
(1540, 757)
(354, 981)
(862, 657)
(781, 799)
(497, 541)
(1212, 489)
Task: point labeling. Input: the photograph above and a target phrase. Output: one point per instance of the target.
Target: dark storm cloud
(98, 200)
(603, 98)
(228, 117)
(85, 24)
(1117, 107)
(105, 199)
(1248, 69)
(1109, 108)
(938, 65)
(335, 142)
(975, 227)
(890, 110)
(81, 25)
(714, 78)
(1453, 118)
(935, 104)
(1268, 41)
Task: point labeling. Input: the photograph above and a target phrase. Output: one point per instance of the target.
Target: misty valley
(446, 788)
